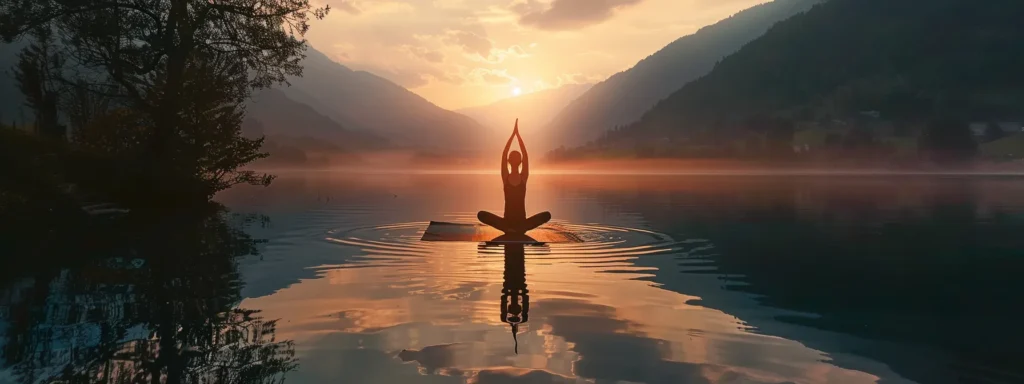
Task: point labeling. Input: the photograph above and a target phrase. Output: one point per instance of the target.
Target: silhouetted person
(514, 181)
(515, 298)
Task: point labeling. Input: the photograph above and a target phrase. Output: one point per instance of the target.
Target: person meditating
(515, 221)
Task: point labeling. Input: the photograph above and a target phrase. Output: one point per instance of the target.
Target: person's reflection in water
(515, 298)
(514, 184)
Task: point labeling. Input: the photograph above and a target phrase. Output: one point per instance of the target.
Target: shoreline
(673, 167)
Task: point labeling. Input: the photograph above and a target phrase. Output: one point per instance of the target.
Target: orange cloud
(347, 6)
(470, 42)
(425, 53)
(490, 76)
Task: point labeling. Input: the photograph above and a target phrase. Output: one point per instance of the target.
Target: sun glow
(517, 91)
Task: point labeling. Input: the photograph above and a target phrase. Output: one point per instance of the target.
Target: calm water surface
(680, 279)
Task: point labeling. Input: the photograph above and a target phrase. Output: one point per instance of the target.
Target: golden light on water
(381, 288)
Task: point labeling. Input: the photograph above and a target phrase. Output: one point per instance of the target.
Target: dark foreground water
(681, 279)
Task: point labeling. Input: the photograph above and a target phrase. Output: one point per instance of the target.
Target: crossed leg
(536, 221)
(518, 227)
(494, 220)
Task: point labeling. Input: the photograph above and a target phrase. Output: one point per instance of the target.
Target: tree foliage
(177, 69)
(37, 75)
(948, 140)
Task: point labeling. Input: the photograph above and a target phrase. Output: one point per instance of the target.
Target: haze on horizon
(462, 53)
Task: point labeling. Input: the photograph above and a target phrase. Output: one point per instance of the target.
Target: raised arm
(504, 155)
(526, 157)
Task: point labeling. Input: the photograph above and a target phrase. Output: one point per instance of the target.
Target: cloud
(484, 76)
(576, 78)
(479, 47)
(425, 54)
(499, 55)
(470, 42)
(519, 376)
(450, 78)
(449, 3)
(416, 76)
(347, 6)
(567, 14)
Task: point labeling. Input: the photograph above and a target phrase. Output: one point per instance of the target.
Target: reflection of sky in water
(353, 306)
(680, 279)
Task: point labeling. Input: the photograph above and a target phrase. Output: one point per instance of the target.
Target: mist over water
(398, 162)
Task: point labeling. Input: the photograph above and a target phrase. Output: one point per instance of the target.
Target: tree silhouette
(36, 72)
(155, 56)
(948, 140)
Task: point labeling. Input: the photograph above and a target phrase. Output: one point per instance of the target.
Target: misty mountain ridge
(362, 101)
(626, 96)
(280, 116)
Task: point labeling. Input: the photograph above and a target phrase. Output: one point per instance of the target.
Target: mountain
(280, 116)
(903, 60)
(534, 110)
(625, 96)
(356, 100)
(362, 101)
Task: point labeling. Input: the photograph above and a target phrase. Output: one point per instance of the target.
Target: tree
(213, 146)
(83, 107)
(947, 141)
(150, 53)
(779, 136)
(36, 74)
(833, 141)
(859, 138)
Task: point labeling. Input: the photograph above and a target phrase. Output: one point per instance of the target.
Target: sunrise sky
(462, 53)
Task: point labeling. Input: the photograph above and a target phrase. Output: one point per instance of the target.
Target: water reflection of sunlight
(423, 294)
(595, 308)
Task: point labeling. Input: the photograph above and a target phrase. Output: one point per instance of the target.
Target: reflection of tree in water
(161, 312)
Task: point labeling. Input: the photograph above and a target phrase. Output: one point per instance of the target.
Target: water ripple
(603, 246)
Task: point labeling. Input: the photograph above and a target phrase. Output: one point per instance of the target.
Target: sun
(517, 91)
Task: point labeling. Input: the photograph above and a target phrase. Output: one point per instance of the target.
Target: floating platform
(479, 233)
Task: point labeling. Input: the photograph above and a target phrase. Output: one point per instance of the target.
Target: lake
(322, 277)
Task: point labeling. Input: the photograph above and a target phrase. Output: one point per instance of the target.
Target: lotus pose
(515, 221)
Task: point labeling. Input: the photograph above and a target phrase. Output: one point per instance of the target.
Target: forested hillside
(625, 96)
(895, 63)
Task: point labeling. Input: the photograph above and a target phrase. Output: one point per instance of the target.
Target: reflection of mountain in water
(162, 311)
(921, 263)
